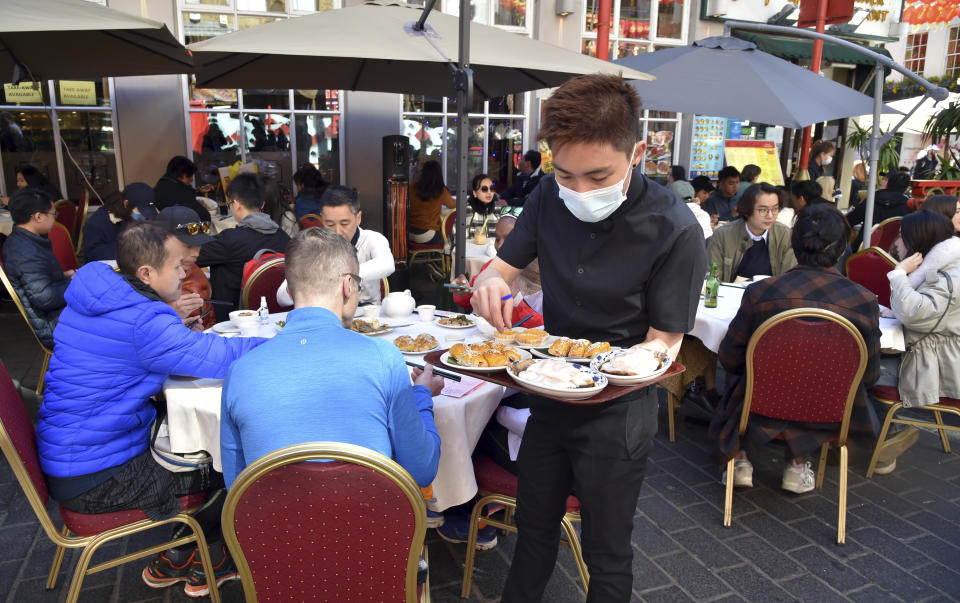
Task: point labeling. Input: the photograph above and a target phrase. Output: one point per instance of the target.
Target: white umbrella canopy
(70, 39)
(916, 122)
(373, 47)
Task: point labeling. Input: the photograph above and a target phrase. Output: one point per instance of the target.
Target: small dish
(567, 393)
(226, 327)
(615, 379)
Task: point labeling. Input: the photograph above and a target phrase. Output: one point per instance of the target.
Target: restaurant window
(64, 128)
(495, 145)
(511, 15)
(916, 53)
(953, 53)
(637, 25)
(278, 129)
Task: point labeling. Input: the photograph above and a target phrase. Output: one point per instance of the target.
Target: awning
(795, 48)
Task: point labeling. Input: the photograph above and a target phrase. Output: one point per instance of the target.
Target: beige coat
(730, 241)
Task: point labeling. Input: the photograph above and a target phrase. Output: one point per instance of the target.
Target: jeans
(599, 453)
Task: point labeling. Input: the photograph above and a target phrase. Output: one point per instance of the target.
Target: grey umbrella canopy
(729, 77)
(373, 47)
(61, 39)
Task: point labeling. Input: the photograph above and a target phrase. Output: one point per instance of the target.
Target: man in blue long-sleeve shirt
(317, 381)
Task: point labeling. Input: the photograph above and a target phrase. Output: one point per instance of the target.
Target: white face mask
(596, 205)
(828, 160)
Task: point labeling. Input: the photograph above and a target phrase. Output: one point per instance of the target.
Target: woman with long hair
(278, 208)
(947, 206)
(821, 155)
(428, 195)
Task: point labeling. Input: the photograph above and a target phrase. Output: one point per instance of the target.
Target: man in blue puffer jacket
(115, 344)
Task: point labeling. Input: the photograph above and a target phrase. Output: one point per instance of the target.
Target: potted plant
(945, 126)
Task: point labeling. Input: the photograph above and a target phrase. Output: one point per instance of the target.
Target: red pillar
(604, 19)
(815, 67)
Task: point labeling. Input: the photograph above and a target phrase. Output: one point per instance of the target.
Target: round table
(193, 415)
(6, 222)
(476, 257)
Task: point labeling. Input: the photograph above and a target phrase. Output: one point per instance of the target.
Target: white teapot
(398, 304)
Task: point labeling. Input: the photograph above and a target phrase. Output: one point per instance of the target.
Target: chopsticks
(523, 320)
(217, 302)
(436, 371)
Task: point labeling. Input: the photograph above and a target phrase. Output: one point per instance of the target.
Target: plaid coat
(801, 287)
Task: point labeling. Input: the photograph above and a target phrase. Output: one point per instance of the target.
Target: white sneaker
(798, 479)
(742, 474)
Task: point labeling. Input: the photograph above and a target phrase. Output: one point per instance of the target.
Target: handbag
(177, 462)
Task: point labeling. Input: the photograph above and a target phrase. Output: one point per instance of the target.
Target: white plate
(541, 352)
(436, 347)
(226, 327)
(445, 359)
(546, 343)
(473, 323)
(626, 379)
(579, 393)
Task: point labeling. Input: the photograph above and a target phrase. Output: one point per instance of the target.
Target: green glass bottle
(712, 289)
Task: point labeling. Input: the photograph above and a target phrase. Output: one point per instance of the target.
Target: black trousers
(600, 454)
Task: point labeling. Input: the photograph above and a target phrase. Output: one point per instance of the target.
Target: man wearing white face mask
(621, 260)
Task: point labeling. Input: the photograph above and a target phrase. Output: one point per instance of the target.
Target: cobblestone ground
(903, 531)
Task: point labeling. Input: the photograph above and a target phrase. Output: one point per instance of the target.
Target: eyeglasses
(53, 213)
(193, 228)
(768, 211)
(355, 277)
(485, 189)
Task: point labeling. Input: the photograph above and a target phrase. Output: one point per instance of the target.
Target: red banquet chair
(885, 233)
(496, 485)
(47, 352)
(869, 268)
(311, 221)
(264, 282)
(351, 529)
(67, 215)
(88, 532)
(804, 365)
(891, 397)
(63, 248)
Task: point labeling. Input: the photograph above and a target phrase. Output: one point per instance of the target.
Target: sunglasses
(195, 227)
(485, 189)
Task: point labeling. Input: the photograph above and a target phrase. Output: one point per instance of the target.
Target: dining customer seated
(234, 247)
(428, 196)
(341, 214)
(360, 392)
(310, 187)
(29, 263)
(947, 206)
(889, 202)
(116, 343)
(175, 187)
(118, 211)
(722, 202)
(755, 243)
(818, 239)
(925, 297)
(527, 180)
(186, 225)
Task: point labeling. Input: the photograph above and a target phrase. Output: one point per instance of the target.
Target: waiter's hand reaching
(493, 300)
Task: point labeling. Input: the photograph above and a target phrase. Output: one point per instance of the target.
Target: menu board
(762, 153)
(659, 151)
(706, 153)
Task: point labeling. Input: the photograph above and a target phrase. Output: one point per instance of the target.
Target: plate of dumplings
(581, 351)
(486, 357)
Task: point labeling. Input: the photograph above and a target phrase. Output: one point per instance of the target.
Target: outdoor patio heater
(396, 180)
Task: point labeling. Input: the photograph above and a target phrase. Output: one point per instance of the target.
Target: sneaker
(456, 529)
(434, 519)
(163, 572)
(224, 570)
(798, 479)
(885, 467)
(896, 445)
(742, 474)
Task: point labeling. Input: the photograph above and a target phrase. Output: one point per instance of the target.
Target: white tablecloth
(193, 410)
(712, 323)
(221, 223)
(476, 257)
(6, 222)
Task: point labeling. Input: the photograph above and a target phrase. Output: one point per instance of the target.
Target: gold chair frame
(384, 287)
(312, 451)
(82, 206)
(841, 441)
(874, 250)
(245, 294)
(312, 217)
(73, 248)
(430, 256)
(90, 544)
(23, 312)
(572, 542)
(867, 242)
(940, 426)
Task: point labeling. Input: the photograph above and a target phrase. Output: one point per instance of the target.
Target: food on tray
(597, 348)
(508, 336)
(487, 353)
(281, 324)
(565, 347)
(560, 347)
(460, 320)
(532, 337)
(367, 326)
(422, 343)
(578, 349)
(556, 373)
(495, 358)
(633, 362)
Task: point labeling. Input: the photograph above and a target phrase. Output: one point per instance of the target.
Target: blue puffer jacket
(114, 349)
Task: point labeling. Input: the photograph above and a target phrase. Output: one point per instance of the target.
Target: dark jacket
(38, 279)
(802, 287)
(886, 204)
(926, 168)
(171, 191)
(306, 204)
(521, 188)
(100, 236)
(717, 204)
(232, 249)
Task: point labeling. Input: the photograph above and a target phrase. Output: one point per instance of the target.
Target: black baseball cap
(141, 196)
(186, 224)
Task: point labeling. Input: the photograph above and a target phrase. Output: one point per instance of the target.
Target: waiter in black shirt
(621, 260)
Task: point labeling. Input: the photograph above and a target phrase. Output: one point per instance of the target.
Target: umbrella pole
(874, 154)
(464, 86)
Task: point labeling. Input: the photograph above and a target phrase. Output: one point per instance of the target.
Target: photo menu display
(706, 156)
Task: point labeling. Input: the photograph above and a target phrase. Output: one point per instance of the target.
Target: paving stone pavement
(903, 531)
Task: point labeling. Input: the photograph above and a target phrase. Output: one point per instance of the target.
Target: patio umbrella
(729, 77)
(373, 47)
(71, 39)
(916, 122)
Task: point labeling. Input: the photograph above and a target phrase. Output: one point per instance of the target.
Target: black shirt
(611, 280)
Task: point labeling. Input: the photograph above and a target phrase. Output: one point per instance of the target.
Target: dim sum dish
(558, 379)
(573, 350)
(630, 367)
(484, 357)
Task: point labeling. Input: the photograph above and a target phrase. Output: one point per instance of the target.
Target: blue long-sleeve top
(316, 381)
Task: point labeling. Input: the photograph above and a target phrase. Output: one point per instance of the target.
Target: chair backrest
(63, 249)
(16, 300)
(264, 282)
(885, 233)
(67, 214)
(18, 439)
(82, 216)
(449, 221)
(310, 221)
(384, 288)
(347, 530)
(869, 268)
(804, 365)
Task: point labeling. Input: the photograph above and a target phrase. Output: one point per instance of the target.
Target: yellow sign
(761, 153)
(77, 92)
(22, 93)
